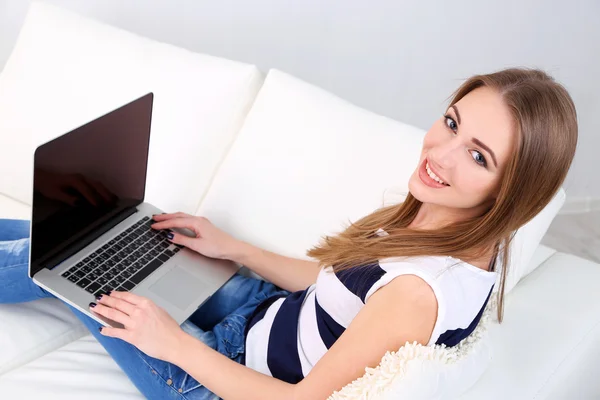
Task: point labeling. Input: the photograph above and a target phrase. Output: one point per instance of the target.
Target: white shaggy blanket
(425, 372)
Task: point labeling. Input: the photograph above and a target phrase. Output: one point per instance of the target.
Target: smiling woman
(420, 271)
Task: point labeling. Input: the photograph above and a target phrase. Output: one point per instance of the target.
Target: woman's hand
(210, 241)
(147, 326)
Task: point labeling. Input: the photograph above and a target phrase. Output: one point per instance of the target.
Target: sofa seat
(548, 346)
(549, 356)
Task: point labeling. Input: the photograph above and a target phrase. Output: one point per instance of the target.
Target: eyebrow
(457, 113)
(475, 140)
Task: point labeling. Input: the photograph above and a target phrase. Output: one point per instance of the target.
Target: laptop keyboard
(125, 261)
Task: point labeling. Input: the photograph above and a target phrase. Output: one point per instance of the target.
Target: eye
(450, 123)
(479, 158)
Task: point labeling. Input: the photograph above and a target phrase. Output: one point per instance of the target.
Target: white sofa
(271, 159)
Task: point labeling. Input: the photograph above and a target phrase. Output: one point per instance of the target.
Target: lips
(436, 172)
(427, 180)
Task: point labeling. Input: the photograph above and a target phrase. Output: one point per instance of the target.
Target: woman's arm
(288, 273)
(405, 310)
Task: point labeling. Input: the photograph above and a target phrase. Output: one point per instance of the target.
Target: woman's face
(468, 149)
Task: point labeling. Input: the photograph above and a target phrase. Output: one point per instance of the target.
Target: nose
(445, 154)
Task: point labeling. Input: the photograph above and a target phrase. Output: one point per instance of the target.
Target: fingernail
(100, 329)
(99, 297)
(92, 304)
(109, 293)
(170, 235)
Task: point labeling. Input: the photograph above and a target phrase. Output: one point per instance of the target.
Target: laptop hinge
(56, 259)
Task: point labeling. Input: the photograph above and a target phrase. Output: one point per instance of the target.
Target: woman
(419, 271)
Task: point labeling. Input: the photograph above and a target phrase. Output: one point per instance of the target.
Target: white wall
(400, 58)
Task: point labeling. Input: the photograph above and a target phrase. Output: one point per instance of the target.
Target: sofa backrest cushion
(66, 70)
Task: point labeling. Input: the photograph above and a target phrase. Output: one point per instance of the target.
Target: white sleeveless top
(290, 334)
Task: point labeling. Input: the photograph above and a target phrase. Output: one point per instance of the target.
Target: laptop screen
(87, 177)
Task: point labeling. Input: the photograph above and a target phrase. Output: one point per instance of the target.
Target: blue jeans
(219, 323)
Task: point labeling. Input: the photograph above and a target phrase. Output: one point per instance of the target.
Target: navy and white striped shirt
(288, 335)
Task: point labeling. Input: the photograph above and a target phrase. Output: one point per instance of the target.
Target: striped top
(287, 336)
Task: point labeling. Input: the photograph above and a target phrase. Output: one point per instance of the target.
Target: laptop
(90, 226)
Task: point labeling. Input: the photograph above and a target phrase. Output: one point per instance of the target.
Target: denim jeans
(220, 322)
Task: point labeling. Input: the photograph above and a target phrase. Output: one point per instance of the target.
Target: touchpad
(178, 287)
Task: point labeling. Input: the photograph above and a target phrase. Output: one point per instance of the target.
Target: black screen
(87, 177)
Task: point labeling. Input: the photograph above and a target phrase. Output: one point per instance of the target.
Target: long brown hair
(546, 124)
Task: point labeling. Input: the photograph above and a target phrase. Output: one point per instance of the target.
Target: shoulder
(409, 307)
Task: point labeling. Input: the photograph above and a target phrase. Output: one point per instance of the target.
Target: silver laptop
(90, 226)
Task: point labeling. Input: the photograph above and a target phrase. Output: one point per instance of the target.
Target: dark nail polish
(170, 235)
(100, 328)
(109, 292)
(92, 304)
(99, 297)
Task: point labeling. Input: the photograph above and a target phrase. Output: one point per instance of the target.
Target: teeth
(433, 176)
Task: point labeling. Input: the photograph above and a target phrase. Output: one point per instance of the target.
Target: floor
(577, 234)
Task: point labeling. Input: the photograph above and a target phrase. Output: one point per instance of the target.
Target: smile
(429, 178)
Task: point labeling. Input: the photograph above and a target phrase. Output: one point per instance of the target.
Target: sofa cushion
(66, 70)
(12, 209)
(30, 330)
(548, 345)
(305, 162)
(79, 370)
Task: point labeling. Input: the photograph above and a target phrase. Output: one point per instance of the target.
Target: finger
(118, 333)
(111, 313)
(185, 222)
(129, 297)
(116, 303)
(165, 216)
(183, 240)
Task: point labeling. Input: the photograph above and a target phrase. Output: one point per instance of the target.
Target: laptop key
(120, 279)
(128, 285)
(107, 288)
(84, 282)
(73, 278)
(144, 272)
(92, 276)
(86, 268)
(80, 274)
(102, 280)
(105, 267)
(73, 269)
(169, 253)
(126, 274)
(93, 288)
(176, 249)
(66, 274)
(163, 257)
